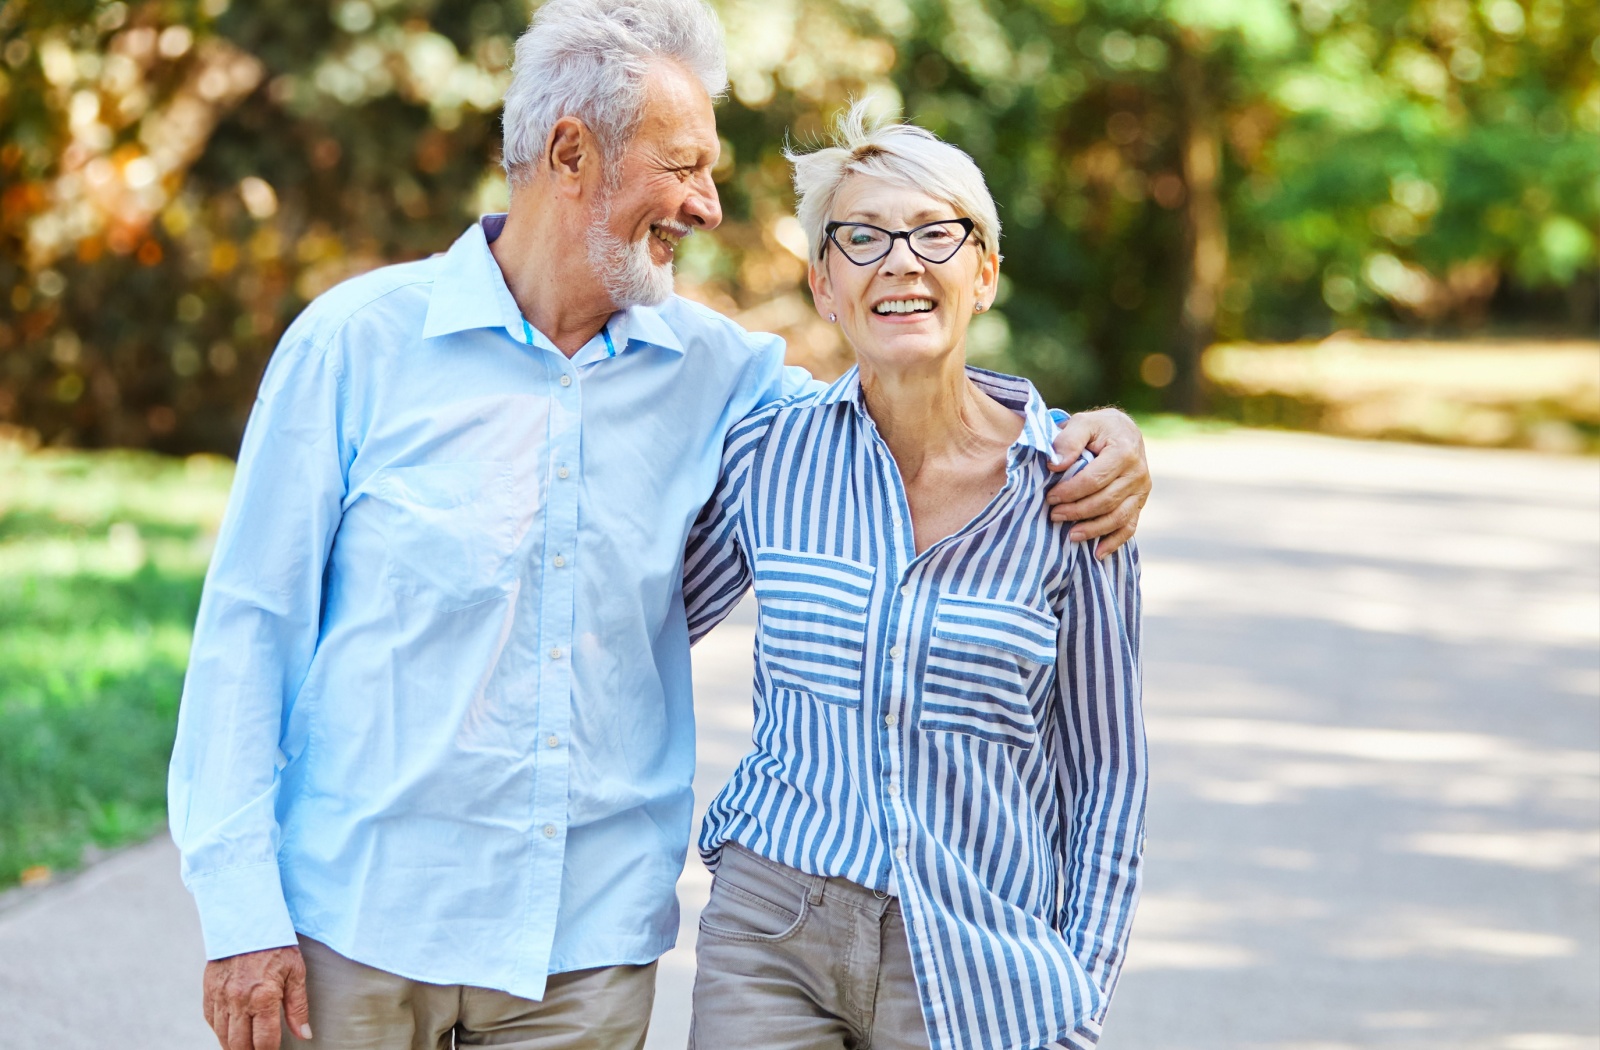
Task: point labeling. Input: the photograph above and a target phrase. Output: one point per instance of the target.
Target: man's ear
(570, 153)
(821, 288)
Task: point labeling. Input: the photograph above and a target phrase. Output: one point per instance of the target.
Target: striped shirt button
(891, 719)
(899, 853)
(894, 652)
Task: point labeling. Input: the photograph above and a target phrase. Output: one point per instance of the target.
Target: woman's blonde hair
(903, 153)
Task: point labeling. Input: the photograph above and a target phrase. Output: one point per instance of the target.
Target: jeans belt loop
(814, 894)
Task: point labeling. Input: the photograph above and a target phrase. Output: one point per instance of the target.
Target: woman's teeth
(904, 306)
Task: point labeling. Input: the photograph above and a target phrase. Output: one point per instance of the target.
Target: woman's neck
(935, 416)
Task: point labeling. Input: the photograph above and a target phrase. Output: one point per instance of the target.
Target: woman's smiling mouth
(891, 307)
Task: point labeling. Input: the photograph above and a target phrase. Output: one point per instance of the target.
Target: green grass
(101, 560)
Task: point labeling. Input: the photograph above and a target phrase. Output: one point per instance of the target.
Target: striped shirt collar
(1014, 392)
(469, 292)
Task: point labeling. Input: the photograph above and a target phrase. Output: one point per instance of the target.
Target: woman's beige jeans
(789, 961)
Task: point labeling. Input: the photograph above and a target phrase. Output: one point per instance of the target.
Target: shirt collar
(469, 292)
(1016, 393)
(642, 324)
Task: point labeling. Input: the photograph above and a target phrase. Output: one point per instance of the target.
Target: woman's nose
(901, 259)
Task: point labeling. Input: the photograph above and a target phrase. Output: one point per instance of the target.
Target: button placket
(554, 603)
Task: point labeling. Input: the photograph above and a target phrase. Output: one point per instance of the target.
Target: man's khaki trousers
(356, 1007)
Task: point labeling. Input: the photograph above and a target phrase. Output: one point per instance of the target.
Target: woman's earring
(833, 318)
(977, 308)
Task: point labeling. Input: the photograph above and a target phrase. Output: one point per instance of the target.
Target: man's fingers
(236, 1033)
(1085, 482)
(266, 1031)
(1107, 545)
(1071, 440)
(1117, 498)
(296, 1007)
(1096, 528)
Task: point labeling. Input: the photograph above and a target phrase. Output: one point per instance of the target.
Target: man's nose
(702, 206)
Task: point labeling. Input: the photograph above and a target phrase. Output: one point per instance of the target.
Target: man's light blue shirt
(437, 713)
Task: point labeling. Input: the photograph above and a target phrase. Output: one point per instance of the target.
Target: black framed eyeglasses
(932, 242)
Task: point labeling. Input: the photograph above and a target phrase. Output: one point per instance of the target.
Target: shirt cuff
(242, 910)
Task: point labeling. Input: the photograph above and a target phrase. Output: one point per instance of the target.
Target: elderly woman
(936, 840)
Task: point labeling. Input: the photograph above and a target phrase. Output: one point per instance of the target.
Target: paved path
(1374, 707)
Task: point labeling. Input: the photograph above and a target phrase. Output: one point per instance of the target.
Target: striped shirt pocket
(982, 661)
(813, 622)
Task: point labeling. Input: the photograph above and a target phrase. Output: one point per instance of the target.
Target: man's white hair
(902, 153)
(589, 59)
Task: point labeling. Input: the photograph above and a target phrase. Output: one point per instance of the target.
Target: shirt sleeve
(1101, 766)
(774, 380)
(254, 637)
(716, 568)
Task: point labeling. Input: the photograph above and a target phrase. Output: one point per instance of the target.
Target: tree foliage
(179, 177)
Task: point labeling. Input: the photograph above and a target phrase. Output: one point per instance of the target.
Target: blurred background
(1370, 219)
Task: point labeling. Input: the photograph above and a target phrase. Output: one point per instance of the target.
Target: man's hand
(243, 994)
(1105, 497)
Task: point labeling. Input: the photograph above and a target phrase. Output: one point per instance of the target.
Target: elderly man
(432, 781)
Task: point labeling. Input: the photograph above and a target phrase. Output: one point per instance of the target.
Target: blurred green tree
(181, 176)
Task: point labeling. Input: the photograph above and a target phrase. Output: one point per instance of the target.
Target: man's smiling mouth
(670, 236)
(903, 306)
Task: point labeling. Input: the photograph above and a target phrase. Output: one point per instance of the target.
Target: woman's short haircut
(589, 59)
(902, 153)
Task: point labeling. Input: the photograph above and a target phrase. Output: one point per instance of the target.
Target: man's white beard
(630, 276)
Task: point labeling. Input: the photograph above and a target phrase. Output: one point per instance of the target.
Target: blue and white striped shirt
(963, 725)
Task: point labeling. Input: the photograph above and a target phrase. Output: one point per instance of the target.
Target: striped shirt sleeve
(1101, 767)
(716, 571)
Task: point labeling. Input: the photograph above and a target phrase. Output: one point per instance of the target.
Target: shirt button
(562, 472)
(894, 652)
(552, 740)
(558, 561)
(549, 831)
(891, 719)
(555, 654)
(566, 380)
(900, 853)
(894, 787)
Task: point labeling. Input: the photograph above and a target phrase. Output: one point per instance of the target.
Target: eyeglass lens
(935, 242)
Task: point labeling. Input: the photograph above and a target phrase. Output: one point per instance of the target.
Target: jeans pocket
(768, 908)
(984, 660)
